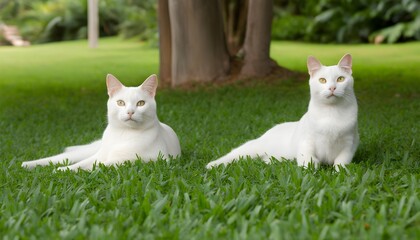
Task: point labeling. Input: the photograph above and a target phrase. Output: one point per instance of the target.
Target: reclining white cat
(327, 133)
(133, 131)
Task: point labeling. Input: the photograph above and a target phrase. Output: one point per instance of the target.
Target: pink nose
(332, 89)
(130, 113)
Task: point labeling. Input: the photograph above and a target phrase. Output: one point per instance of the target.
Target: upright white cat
(133, 131)
(327, 132)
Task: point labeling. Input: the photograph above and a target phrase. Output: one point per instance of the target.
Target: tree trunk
(257, 62)
(165, 51)
(199, 50)
(93, 23)
(235, 16)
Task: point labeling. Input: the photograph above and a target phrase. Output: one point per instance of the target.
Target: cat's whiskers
(327, 94)
(349, 97)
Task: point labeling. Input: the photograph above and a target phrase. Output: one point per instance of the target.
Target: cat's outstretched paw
(213, 164)
(65, 168)
(25, 165)
(74, 168)
(68, 168)
(223, 160)
(28, 164)
(340, 167)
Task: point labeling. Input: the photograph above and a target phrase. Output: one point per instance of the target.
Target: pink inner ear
(313, 65)
(150, 85)
(112, 84)
(346, 63)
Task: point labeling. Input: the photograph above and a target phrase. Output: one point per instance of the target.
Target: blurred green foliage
(324, 21)
(347, 21)
(43, 21)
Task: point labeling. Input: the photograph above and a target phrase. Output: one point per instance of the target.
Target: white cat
(133, 131)
(327, 133)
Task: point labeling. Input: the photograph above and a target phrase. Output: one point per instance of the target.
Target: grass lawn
(53, 95)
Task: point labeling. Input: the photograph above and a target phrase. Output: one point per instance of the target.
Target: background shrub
(324, 21)
(43, 21)
(349, 21)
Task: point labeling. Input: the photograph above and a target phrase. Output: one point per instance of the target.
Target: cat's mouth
(332, 95)
(129, 120)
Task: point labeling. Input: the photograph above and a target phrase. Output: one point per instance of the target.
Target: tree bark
(257, 62)
(199, 50)
(165, 51)
(235, 17)
(93, 23)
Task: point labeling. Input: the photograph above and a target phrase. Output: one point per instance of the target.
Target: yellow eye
(340, 79)
(120, 103)
(141, 103)
(322, 80)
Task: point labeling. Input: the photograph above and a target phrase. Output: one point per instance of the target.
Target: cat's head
(330, 84)
(133, 107)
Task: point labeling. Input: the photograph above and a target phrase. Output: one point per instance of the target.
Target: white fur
(327, 132)
(133, 131)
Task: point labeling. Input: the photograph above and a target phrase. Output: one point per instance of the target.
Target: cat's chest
(333, 125)
(114, 136)
(330, 135)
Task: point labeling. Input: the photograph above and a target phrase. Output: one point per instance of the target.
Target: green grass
(53, 95)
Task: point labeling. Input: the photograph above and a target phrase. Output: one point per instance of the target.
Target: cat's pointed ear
(313, 65)
(150, 85)
(345, 63)
(113, 84)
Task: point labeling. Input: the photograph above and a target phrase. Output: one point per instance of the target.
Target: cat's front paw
(308, 164)
(29, 164)
(26, 165)
(66, 168)
(220, 161)
(340, 167)
(62, 169)
(212, 164)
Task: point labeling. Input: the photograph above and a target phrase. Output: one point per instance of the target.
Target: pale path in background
(327, 132)
(133, 132)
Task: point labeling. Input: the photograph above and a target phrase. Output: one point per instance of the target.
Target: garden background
(53, 95)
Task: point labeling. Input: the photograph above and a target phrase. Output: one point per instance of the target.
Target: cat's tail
(59, 158)
(72, 154)
(249, 149)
